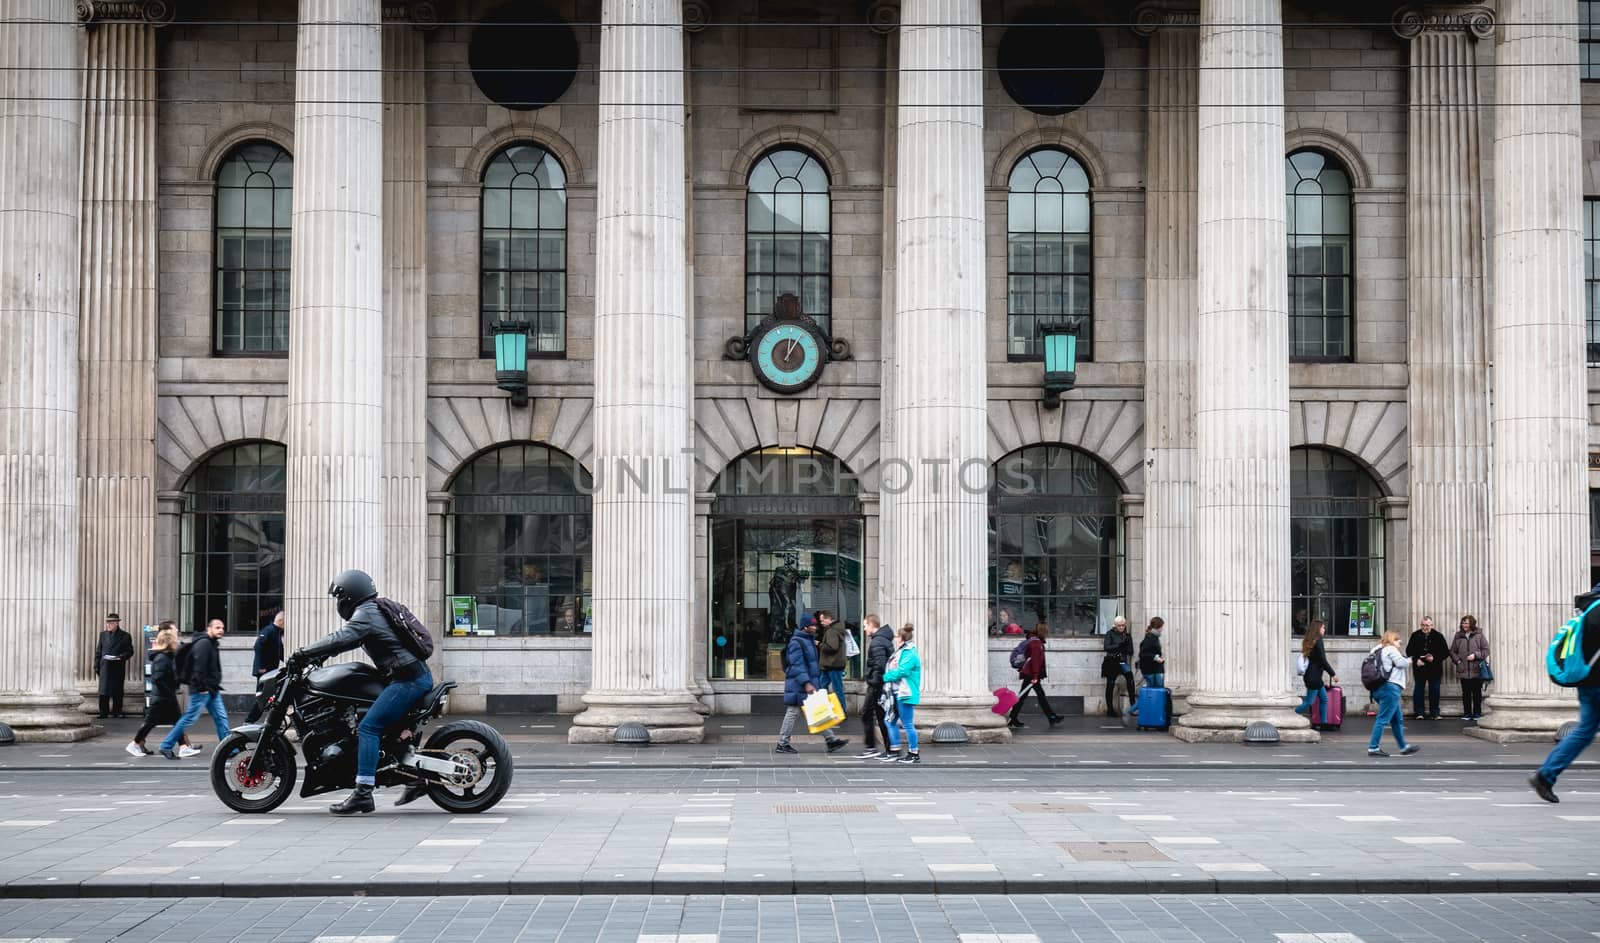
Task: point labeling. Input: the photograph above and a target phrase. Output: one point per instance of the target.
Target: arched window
(1320, 261)
(1049, 262)
(787, 537)
(255, 197)
(1055, 542)
(519, 544)
(231, 548)
(523, 260)
(1336, 543)
(787, 244)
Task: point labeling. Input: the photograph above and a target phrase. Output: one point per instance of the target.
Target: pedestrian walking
(1469, 651)
(1315, 669)
(1032, 674)
(205, 688)
(904, 671)
(1392, 663)
(268, 657)
(111, 654)
(880, 648)
(1118, 664)
(163, 707)
(1428, 652)
(831, 653)
(1152, 663)
(1588, 690)
(802, 674)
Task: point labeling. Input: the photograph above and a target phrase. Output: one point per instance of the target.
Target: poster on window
(1361, 616)
(463, 615)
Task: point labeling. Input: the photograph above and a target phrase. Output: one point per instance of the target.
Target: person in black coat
(269, 647)
(802, 676)
(163, 706)
(1429, 652)
(1118, 664)
(1315, 656)
(1152, 663)
(205, 687)
(111, 656)
(880, 646)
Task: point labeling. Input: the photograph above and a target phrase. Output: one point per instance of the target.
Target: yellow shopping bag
(823, 711)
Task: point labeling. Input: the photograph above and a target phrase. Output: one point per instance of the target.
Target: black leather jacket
(369, 630)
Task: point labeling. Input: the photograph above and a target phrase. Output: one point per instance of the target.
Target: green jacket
(830, 647)
(907, 670)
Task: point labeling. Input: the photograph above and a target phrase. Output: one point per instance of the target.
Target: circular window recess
(1050, 68)
(523, 56)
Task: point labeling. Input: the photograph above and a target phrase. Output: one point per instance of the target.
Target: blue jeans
(391, 705)
(908, 720)
(834, 681)
(1157, 680)
(1313, 695)
(1578, 740)
(1430, 686)
(209, 701)
(1389, 715)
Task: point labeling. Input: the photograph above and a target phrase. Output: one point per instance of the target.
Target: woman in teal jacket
(904, 672)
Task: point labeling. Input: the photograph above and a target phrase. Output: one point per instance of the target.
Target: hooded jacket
(803, 668)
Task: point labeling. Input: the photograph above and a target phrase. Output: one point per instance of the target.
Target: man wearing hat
(111, 656)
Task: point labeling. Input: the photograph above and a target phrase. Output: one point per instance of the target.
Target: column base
(46, 718)
(1523, 718)
(972, 713)
(671, 717)
(1219, 718)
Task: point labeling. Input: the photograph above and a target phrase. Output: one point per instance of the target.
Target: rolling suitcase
(1155, 708)
(1329, 712)
(1004, 700)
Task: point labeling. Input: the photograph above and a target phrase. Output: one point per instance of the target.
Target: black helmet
(350, 589)
(1582, 600)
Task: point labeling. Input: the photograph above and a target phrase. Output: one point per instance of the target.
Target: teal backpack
(1564, 660)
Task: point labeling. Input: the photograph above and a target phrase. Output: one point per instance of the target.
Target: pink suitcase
(1004, 700)
(1330, 712)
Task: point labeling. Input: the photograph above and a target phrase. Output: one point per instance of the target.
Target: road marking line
(418, 869)
(479, 820)
(1182, 840)
(1428, 840)
(354, 939)
(137, 869)
(962, 868)
(219, 843)
(577, 780)
(683, 868)
(1577, 818)
(702, 818)
(1319, 805)
(924, 816)
(1501, 866)
(999, 938)
(1148, 818)
(450, 843)
(140, 801)
(677, 938)
(1233, 867)
(27, 823)
(1369, 818)
(697, 841)
(941, 840)
(252, 820)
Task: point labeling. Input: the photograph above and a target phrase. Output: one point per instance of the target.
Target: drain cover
(800, 809)
(1050, 807)
(1112, 851)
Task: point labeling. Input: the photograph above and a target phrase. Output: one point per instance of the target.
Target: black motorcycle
(465, 765)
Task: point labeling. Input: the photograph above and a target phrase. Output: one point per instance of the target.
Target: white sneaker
(184, 752)
(134, 750)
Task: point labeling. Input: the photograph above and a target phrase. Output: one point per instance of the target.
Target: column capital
(883, 16)
(1475, 20)
(419, 13)
(696, 15)
(153, 12)
(1148, 18)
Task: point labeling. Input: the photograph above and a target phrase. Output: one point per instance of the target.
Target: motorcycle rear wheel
(231, 782)
(481, 748)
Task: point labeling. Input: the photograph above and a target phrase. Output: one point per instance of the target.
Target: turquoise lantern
(1060, 340)
(511, 359)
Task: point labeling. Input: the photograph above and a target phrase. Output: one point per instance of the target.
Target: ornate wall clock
(787, 350)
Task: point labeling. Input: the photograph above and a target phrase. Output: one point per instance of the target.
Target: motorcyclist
(365, 627)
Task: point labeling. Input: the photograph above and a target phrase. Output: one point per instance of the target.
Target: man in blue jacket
(802, 674)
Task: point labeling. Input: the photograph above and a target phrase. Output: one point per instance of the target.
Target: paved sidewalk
(890, 836)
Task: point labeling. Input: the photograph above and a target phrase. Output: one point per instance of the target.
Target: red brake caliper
(241, 773)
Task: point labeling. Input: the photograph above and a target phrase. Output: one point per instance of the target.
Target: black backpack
(1373, 673)
(407, 627)
(183, 662)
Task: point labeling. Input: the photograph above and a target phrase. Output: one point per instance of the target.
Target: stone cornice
(153, 12)
(1475, 20)
(418, 13)
(1148, 18)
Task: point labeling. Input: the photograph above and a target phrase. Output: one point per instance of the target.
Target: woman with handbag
(1469, 652)
(163, 707)
(904, 677)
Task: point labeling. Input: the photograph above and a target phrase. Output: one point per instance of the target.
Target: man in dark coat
(204, 669)
(1428, 652)
(880, 646)
(1588, 691)
(802, 675)
(831, 652)
(269, 647)
(111, 656)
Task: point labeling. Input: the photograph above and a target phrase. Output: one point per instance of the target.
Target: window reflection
(231, 545)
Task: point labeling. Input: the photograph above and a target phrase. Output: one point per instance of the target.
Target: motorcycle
(465, 765)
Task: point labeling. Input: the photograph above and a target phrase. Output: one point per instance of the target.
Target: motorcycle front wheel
(241, 792)
(487, 757)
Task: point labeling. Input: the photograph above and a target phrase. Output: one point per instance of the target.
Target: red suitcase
(1329, 712)
(1005, 699)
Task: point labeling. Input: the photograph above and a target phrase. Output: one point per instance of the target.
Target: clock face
(787, 357)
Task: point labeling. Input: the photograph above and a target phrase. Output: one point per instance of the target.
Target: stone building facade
(226, 379)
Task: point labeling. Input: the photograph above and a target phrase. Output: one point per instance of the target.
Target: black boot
(413, 792)
(358, 801)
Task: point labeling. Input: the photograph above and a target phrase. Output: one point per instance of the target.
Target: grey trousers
(789, 716)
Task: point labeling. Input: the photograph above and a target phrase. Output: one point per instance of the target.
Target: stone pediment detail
(153, 12)
(1475, 20)
(1150, 17)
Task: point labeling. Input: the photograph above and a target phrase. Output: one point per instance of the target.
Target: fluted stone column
(117, 345)
(40, 134)
(643, 502)
(940, 546)
(405, 309)
(1448, 415)
(1541, 522)
(336, 336)
(1171, 331)
(885, 17)
(1242, 394)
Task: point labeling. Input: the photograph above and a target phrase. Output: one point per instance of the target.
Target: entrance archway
(787, 537)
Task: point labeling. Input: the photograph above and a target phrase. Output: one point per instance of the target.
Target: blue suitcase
(1155, 708)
